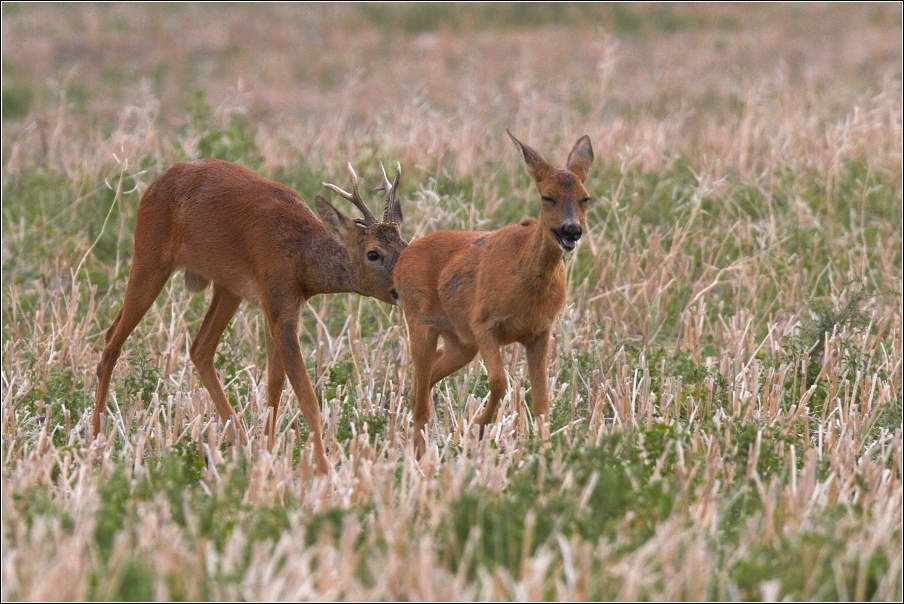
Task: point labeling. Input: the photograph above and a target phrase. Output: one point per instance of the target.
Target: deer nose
(572, 232)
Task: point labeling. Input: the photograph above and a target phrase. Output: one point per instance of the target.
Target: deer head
(565, 200)
(372, 246)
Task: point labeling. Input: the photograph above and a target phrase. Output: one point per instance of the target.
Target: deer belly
(512, 331)
(232, 278)
(525, 327)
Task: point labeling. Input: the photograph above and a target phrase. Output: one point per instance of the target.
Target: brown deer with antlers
(254, 239)
(480, 290)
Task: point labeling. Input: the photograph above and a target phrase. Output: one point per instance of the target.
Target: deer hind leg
(276, 379)
(450, 357)
(145, 282)
(204, 347)
(284, 334)
(492, 358)
(423, 350)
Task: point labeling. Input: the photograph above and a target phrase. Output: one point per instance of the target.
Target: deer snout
(571, 232)
(567, 236)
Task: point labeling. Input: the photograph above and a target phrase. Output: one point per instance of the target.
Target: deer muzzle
(568, 236)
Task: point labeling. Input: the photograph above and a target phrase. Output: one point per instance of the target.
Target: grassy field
(726, 375)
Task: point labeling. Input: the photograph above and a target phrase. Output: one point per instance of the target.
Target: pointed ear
(580, 158)
(537, 167)
(338, 224)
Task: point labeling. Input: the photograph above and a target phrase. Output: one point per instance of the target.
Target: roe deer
(254, 239)
(480, 290)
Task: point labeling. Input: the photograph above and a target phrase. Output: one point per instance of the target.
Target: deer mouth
(395, 297)
(567, 240)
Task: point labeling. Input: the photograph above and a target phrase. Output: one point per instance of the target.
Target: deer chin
(566, 244)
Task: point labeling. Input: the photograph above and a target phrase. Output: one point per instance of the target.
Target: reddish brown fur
(481, 290)
(254, 239)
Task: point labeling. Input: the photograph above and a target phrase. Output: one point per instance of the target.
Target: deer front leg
(285, 337)
(537, 363)
(276, 379)
(492, 358)
(423, 349)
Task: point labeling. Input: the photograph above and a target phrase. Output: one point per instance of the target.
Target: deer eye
(373, 256)
(584, 201)
(548, 200)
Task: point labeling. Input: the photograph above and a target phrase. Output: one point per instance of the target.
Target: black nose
(572, 232)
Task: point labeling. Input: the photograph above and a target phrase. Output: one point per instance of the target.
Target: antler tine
(395, 187)
(390, 191)
(354, 196)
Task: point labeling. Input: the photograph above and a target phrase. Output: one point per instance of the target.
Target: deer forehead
(384, 235)
(561, 184)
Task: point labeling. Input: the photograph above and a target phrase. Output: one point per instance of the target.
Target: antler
(354, 196)
(390, 189)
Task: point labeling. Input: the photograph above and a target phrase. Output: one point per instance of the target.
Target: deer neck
(542, 257)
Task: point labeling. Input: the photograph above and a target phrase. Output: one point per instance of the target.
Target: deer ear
(397, 212)
(537, 167)
(580, 158)
(338, 224)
